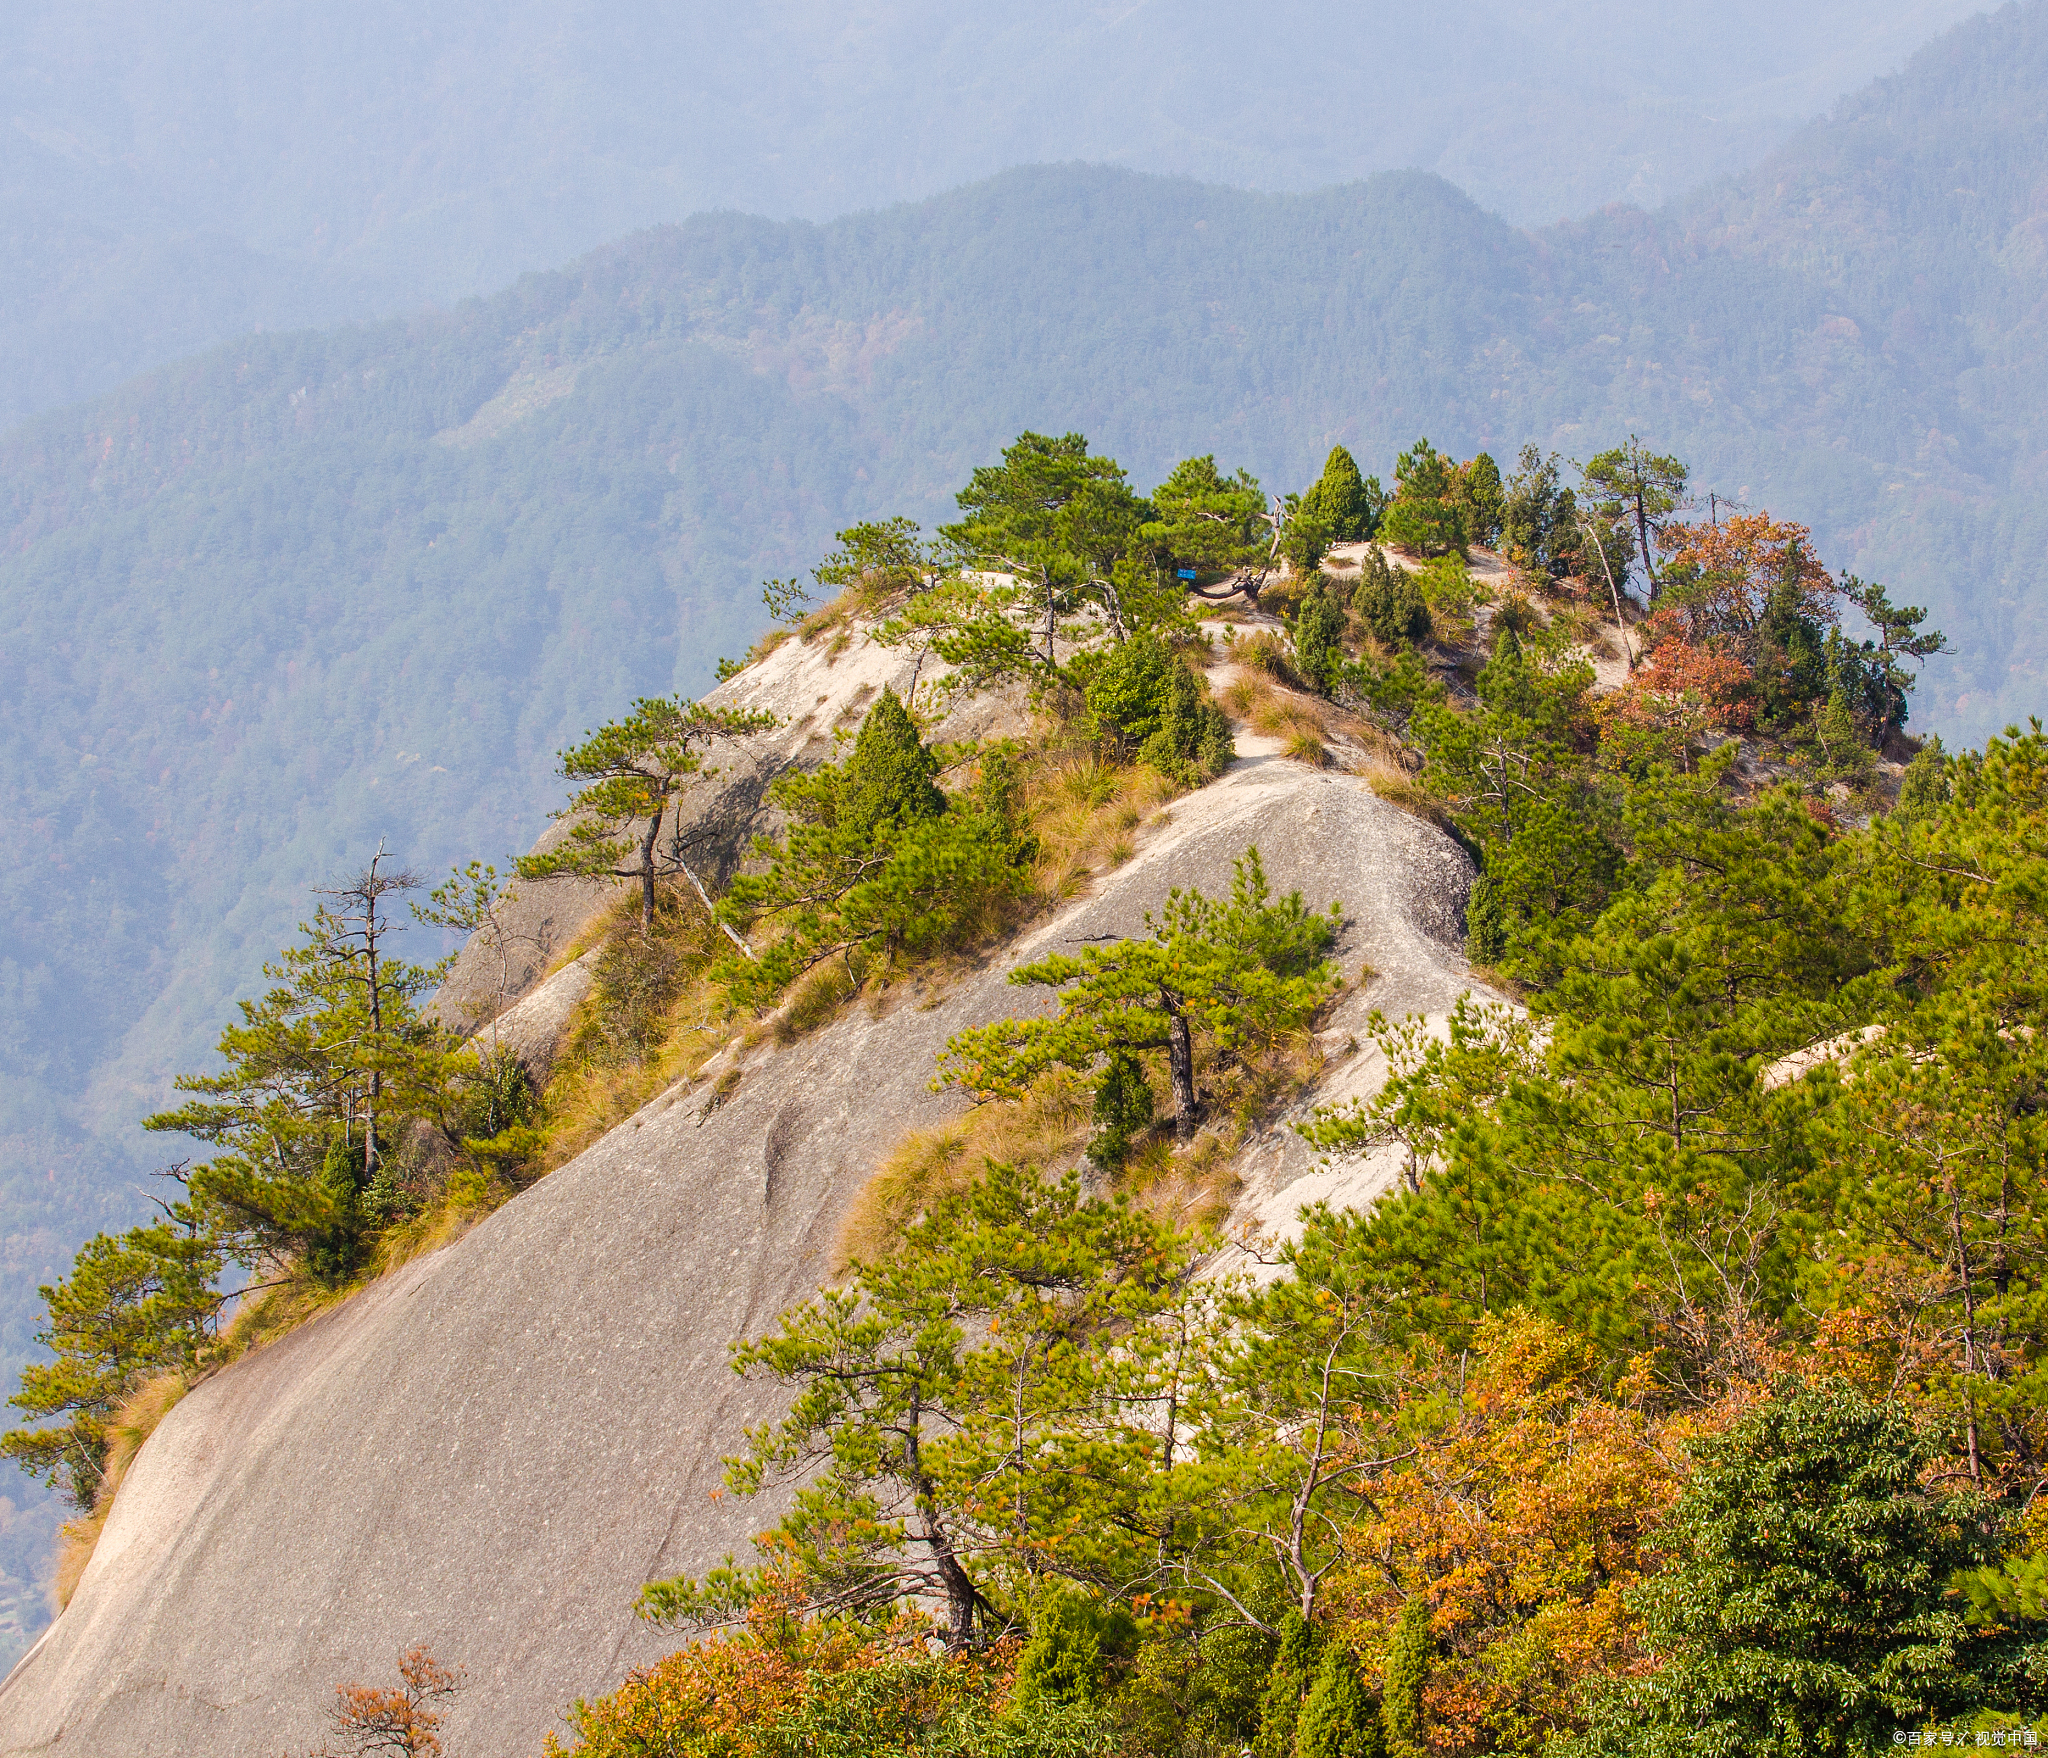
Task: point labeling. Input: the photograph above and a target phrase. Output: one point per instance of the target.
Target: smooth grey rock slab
(493, 1448)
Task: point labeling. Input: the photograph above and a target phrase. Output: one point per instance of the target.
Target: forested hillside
(261, 608)
(174, 175)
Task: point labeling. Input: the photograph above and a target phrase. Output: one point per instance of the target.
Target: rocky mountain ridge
(490, 1449)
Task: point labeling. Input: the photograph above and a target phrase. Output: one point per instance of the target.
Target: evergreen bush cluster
(878, 865)
(1390, 602)
(1319, 626)
(1142, 701)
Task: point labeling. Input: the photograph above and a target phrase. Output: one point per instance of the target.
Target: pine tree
(1645, 488)
(631, 771)
(880, 561)
(1237, 973)
(1515, 785)
(877, 863)
(1057, 520)
(1426, 515)
(1925, 787)
(1215, 524)
(1341, 500)
(1841, 744)
(304, 1071)
(135, 1305)
(1539, 517)
(887, 784)
(1482, 499)
(976, 1427)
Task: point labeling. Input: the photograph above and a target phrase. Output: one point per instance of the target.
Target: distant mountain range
(174, 174)
(263, 606)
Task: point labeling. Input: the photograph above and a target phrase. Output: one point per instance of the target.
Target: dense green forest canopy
(266, 605)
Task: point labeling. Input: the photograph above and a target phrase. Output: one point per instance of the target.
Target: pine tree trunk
(647, 875)
(959, 1587)
(1180, 1061)
(376, 1042)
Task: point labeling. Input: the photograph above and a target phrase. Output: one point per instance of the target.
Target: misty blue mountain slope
(172, 175)
(265, 605)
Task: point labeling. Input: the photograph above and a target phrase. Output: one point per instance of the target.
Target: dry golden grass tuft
(587, 1102)
(1300, 721)
(605, 1076)
(466, 1196)
(1400, 789)
(1082, 810)
(818, 999)
(1191, 1190)
(1266, 654)
(767, 644)
(1049, 1127)
(1307, 747)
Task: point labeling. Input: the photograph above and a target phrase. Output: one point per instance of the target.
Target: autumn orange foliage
(1719, 577)
(1679, 676)
(1702, 637)
(727, 1696)
(1522, 1524)
(383, 1719)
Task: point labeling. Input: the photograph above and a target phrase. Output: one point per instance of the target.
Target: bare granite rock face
(533, 1027)
(817, 690)
(490, 1450)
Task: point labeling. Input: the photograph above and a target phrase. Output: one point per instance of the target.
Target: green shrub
(1122, 1110)
(632, 988)
(1926, 788)
(1287, 1684)
(887, 782)
(1486, 924)
(1407, 1671)
(498, 1116)
(1810, 1590)
(1124, 689)
(1140, 699)
(1340, 1718)
(1448, 588)
(1193, 742)
(1075, 1641)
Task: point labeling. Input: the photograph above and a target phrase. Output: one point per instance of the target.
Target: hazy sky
(250, 161)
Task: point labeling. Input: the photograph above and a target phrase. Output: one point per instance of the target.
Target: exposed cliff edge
(491, 1449)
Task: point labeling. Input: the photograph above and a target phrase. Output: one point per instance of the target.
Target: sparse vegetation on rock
(1061, 1466)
